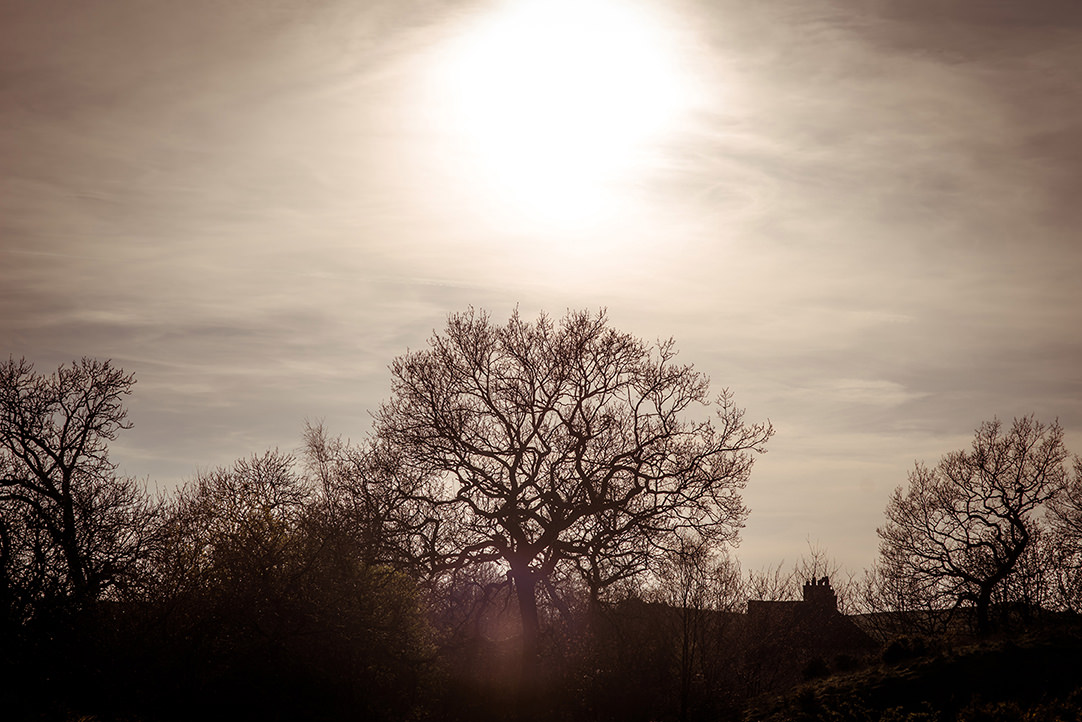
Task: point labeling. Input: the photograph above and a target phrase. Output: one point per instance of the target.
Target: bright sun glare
(557, 102)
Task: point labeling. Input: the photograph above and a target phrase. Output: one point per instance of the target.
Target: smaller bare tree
(1065, 542)
(702, 584)
(959, 529)
(771, 584)
(88, 527)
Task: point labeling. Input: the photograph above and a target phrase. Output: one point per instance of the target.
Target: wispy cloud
(867, 226)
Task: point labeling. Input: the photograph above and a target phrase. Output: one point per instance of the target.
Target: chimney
(820, 594)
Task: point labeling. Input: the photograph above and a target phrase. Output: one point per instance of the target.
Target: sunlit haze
(861, 217)
(558, 105)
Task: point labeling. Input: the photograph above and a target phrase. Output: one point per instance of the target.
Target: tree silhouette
(257, 580)
(1065, 541)
(365, 493)
(959, 529)
(80, 526)
(702, 586)
(558, 447)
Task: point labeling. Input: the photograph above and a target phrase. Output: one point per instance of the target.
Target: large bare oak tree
(561, 448)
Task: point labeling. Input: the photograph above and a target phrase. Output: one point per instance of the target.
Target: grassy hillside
(1035, 677)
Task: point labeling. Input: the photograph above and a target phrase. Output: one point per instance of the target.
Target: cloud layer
(866, 226)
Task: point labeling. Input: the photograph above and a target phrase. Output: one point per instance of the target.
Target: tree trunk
(526, 694)
(984, 602)
(525, 589)
(69, 544)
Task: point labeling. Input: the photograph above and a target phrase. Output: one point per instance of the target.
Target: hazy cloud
(866, 226)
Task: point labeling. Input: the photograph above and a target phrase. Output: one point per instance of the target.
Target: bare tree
(240, 521)
(771, 584)
(255, 578)
(368, 492)
(891, 606)
(702, 585)
(959, 529)
(89, 525)
(1066, 507)
(1065, 542)
(553, 445)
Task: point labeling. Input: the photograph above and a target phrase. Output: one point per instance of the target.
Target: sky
(861, 216)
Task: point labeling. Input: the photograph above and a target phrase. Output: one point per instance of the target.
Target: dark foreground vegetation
(1022, 676)
(536, 529)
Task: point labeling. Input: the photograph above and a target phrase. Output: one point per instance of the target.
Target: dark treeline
(537, 528)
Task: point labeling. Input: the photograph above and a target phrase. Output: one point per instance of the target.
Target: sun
(556, 103)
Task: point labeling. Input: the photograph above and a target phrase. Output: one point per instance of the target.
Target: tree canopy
(563, 448)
